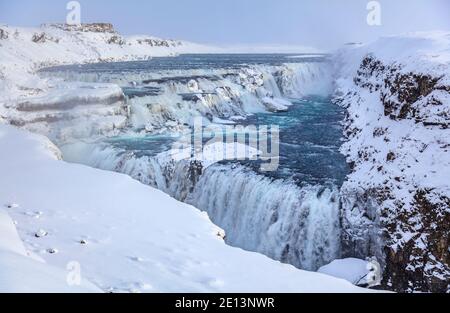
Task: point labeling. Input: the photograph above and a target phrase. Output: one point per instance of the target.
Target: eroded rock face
(153, 42)
(409, 95)
(116, 40)
(90, 27)
(423, 262)
(43, 37)
(397, 201)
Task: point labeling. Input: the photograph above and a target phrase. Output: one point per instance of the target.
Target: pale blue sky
(320, 23)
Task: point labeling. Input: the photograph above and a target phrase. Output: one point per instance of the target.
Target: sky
(324, 24)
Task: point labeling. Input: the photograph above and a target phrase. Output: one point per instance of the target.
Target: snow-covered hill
(397, 200)
(32, 48)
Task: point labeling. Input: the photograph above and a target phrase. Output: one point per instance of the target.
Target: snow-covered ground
(23, 271)
(126, 237)
(351, 269)
(32, 48)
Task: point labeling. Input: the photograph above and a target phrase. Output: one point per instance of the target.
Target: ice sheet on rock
(65, 96)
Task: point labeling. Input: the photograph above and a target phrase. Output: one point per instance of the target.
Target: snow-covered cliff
(397, 199)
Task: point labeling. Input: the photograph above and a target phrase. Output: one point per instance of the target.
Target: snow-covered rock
(397, 199)
(351, 269)
(51, 44)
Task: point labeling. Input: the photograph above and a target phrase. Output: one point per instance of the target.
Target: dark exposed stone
(116, 40)
(42, 38)
(411, 267)
(38, 38)
(408, 88)
(89, 27)
(3, 34)
(390, 156)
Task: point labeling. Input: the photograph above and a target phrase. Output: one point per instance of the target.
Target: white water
(295, 225)
(220, 93)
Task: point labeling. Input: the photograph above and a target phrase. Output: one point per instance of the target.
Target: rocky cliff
(396, 202)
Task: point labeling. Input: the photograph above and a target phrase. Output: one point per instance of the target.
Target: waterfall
(297, 80)
(296, 225)
(293, 224)
(170, 100)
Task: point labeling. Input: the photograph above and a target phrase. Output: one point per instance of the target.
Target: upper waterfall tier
(167, 94)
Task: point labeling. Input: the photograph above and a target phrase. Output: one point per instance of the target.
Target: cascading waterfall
(276, 217)
(292, 224)
(295, 225)
(170, 100)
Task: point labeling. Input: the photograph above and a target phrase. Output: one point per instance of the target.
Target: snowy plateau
(70, 227)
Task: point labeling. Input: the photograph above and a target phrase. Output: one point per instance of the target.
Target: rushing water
(291, 214)
(187, 62)
(310, 138)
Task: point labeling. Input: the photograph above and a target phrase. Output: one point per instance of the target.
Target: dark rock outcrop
(90, 27)
(423, 261)
(154, 42)
(405, 95)
(42, 38)
(116, 40)
(3, 34)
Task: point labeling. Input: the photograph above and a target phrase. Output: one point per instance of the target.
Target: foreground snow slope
(126, 236)
(20, 271)
(397, 199)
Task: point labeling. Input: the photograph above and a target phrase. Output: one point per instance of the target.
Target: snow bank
(125, 236)
(10, 240)
(351, 269)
